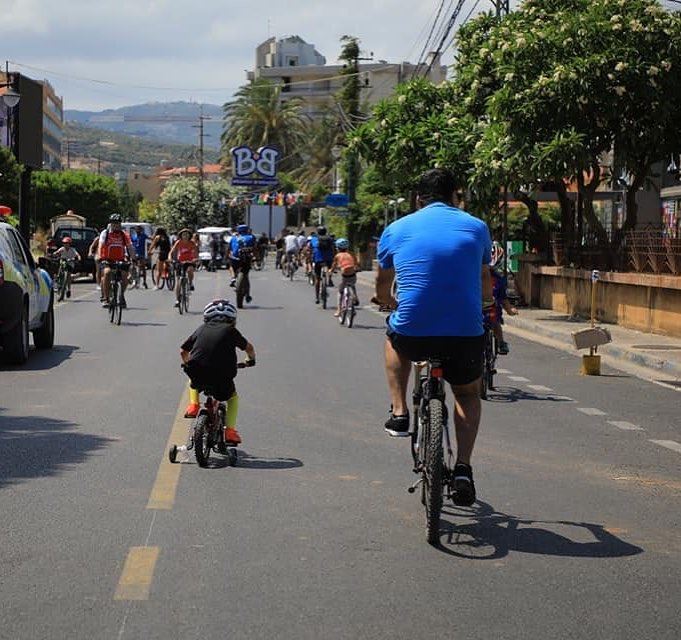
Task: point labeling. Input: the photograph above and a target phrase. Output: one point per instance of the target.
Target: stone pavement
(658, 355)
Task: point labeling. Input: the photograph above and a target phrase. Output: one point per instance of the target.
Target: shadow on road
(512, 394)
(248, 461)
(256, 306)
(37, 447)
(487, 534)
(369, 327)
(143, 324)
(40, 360)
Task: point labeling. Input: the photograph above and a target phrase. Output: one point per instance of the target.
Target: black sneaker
(124, 304)
(397, 426)
(316, 301)
(502, 349)
(191, 287)
(68, 293)
(248, 299)
(464, 487)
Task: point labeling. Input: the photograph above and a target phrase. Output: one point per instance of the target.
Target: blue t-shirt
(236, 242)
(437, 254)
(319, 254)
(139, 241)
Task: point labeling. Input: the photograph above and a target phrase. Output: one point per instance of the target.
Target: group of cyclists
(317, 252)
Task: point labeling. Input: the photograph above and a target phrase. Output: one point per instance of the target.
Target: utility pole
(202, 135)
(503, 8)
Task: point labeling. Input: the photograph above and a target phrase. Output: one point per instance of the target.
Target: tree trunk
(534, 230)
(588, 190)
(632, 190)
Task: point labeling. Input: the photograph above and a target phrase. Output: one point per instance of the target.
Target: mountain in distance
(157, 121)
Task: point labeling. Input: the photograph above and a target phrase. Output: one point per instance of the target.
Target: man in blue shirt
(322, 254)
(440, 259)
(140, 241)
(241, 247)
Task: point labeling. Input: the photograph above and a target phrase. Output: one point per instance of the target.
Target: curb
(659, 365)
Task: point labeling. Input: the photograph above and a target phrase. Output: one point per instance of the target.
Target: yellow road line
(168, 475)
(138, 572)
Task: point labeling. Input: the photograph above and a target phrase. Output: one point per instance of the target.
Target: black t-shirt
(163, 244)
(212, 352)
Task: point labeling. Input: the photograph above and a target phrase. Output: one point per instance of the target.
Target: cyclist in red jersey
(185, 252)
(114, 246)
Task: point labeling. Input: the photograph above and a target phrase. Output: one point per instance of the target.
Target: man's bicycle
(119, 271)
(207, 431)
(324, 286)
(290, 267)
(243, 283)
(429, 439)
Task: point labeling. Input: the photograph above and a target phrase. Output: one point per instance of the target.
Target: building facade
(302, 73)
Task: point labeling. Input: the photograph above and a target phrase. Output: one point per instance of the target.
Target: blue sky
(188, 46)
(191, 49)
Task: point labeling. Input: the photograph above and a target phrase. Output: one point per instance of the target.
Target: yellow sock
(193, 396)
(232, 411)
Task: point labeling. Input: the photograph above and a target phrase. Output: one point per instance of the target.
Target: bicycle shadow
(489, 535)
(513, 394)
(144, 324)
(247, 461)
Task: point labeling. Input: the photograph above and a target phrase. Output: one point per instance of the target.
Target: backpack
(325, 244)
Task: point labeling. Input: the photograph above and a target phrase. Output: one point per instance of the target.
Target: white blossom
(620, 66)
(620, 91)
(653, 71)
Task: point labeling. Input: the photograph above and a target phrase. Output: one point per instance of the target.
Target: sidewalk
(659, 356)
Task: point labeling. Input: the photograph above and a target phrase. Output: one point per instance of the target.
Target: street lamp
(11, 99)
(395, 204)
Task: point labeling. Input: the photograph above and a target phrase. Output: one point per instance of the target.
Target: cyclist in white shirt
(290, 247)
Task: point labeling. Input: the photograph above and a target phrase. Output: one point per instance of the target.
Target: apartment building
(303, 73)
(49, 128)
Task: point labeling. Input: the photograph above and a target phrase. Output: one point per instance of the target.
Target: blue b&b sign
(254, 168)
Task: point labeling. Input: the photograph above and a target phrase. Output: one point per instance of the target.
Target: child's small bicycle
(207, 433)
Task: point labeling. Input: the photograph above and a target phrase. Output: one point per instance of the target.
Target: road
(575, 535)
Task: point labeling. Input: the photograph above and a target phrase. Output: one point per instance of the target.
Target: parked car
(26, 301)
(82, 238)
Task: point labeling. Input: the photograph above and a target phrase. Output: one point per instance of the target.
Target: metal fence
(648, 250)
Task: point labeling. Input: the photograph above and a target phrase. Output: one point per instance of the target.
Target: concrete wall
(638, 301)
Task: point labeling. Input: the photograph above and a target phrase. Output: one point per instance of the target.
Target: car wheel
(15, 342)
(43, 338)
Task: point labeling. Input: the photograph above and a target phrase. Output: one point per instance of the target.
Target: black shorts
(461, 355)
(318, 267)
(221, 390)
(163, 256)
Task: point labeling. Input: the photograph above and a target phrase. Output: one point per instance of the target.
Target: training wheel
(172, 453)
(232, 456)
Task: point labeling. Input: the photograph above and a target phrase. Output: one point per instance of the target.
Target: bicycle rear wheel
(170, 280)
(182, 294)
(240, 290)
(433, 470)
(186, 295)
(323, 292)
(202, 442)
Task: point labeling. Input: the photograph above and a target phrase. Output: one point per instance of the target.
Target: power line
(430, 35)
(445, 35)
(465, 21)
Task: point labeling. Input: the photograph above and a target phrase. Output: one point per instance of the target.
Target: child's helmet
(342, 244)
(221, 311)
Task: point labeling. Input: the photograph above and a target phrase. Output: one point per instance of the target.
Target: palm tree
(257, 116)
(317, 157)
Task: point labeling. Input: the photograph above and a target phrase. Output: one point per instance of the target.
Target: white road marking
(540, 387)
(564, 398)
(625, 426)
(590, 411)
(518, 379)
(504, 372)
(669, 444)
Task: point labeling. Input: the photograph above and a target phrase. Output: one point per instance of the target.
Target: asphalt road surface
(576, 533)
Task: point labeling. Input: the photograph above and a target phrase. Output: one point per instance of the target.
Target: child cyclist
(346, 263)
(209, 359)
(501, 302)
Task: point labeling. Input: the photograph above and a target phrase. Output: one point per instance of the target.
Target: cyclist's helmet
(242, 228)
(66, 240)
(342, 244)
(221, 311)
(115, 218)
(321, 231)
(497, 254)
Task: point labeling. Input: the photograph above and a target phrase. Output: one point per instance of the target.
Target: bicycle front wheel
(323, 292)
(182, 294)
(62, 287)
(433, 470)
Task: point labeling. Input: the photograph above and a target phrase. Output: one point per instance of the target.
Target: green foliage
(257, 117)
(9, 180)
(180, 204)
(93, 196)
(147, 211)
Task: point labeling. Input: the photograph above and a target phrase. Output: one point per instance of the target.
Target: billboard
(254, 168)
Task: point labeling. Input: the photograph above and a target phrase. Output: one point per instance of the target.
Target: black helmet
(321, 231)
(115, 217)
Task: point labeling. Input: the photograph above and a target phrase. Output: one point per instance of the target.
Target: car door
(29, 276)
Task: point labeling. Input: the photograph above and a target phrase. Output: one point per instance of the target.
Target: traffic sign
(337, 200)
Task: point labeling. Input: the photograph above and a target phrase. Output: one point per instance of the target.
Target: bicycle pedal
(493, 371)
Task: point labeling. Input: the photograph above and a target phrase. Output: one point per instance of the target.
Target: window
(292, 61)
(17, 252)
(287, 85)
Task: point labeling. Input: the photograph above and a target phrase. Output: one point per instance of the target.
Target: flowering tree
(181, 205)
